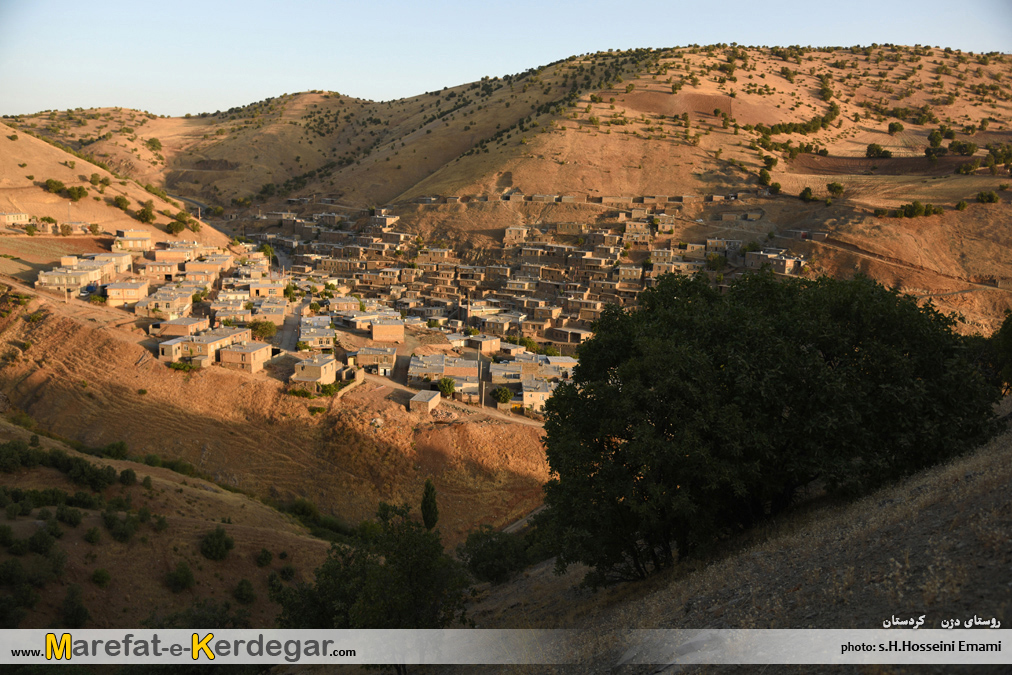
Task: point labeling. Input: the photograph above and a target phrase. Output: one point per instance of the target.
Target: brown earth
(84, 372)
(192, 507)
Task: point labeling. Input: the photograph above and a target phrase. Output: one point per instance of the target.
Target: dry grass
(245, 431)
(192, 508)
(936, 544)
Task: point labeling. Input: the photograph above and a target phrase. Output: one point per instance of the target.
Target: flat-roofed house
(318, 338)
(485, 344)
(125, 293)
(133, 240)
(424, 401)
(179, 327)
(14, 219)
(122, 262)
(163, 271)
(266, 289)
(387, 330)
(247, 356)
(315, 371)
(534, 393)
(380, 359)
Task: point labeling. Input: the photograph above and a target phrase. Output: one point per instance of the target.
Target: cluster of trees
(75, 193)
(396, 576)
(876, 151)
(701, 414)
(916, 209)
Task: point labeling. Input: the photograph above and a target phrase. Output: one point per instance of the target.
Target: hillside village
(350, 294)
(316, 304)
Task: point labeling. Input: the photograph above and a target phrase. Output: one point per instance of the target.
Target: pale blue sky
(188, 56)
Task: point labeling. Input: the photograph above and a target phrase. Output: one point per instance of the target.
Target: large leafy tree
(397, 577)
(700, 414)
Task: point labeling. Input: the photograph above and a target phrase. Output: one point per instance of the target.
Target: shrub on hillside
(216, 544)
(875, 151)
(244, 593)
(492, 556)
(264, 558)
(73, 613)
(101, 578)
(180, 579)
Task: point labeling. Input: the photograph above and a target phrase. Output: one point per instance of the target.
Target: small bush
(41, 542)
(101, 578)
(263, 558)
(492, 556)
(128, 477)
(68, 515)
(73, 611)
(180, 579)
(215, 545)
(146, 483)
(12, 572)
(287, 572)
(161, 524)
(120, 529)
(243, 592)
(93, 536)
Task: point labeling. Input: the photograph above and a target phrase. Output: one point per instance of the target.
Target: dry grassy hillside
(191, 507)
(87, 376)
(936, 544)
(26, 163)
(604, 123)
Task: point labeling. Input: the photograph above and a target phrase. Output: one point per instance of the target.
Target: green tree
(446, 386)
(895, 128)
(244, 593)
(147, 213)
(764, 177)
(216, 544)
(701, 413)
(73, 612)
(121, 202)
(502, 394)
(180, 579)
(398, 577)
(835, 189)
(262, 330)
(268, 251)
(430, 511)
(493, 556)
(807, 195)
(875, 151)
(77, 193)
